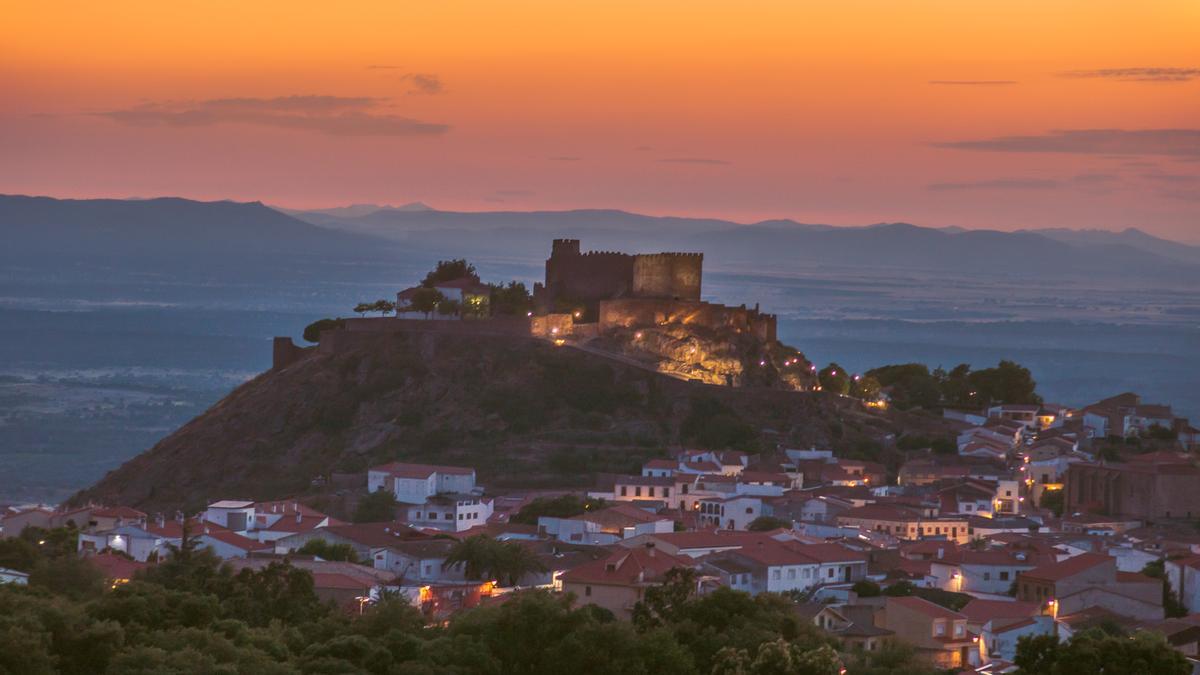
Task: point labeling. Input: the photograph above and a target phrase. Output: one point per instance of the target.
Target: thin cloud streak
(695, 160)
(329, 115)
(1135, 74)
(1166, 142)
(997, 184)
(973, 82)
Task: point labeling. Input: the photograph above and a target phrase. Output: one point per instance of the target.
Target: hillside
(525, 413)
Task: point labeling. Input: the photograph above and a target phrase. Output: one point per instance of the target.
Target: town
(1038, 521)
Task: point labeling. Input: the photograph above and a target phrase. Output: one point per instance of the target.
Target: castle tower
(564, 247)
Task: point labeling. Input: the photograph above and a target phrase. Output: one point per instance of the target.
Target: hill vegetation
(524, 413)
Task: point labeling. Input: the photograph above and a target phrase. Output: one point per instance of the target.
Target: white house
(453, 512)
(1184, 576)
(731, 513)
(415, 483)
(137, 542)
(1000, 636)
(421, 561)
(605, 526)
(968, 571)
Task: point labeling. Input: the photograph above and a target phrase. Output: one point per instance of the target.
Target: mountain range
(179, 236)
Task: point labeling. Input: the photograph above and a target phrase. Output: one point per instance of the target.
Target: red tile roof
(627, 567)
(925, 607)
(114, 566)
(335, 580)
(117, 512)
(981, 611)
(1057, 571)
(406, 470)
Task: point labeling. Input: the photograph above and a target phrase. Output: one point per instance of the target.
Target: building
(416, 483)
(988, 571)
(731, 513)
(14, 577)
(605, 526)
(619, 581)
(904, 522)
(938, 634)
(1148, 487)
(451, 512)
(1091, 580)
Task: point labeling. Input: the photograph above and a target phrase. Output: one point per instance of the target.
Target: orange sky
(980, 114)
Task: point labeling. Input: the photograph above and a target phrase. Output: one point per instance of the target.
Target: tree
(363, 307)
(426, 300)
(327, 551)
(1094, 651)
(665, 602)
(376, 507)
(866, 589)
(511, 300)
(563, 506)
(767, 523)
(834, 379)
(485, 558)
(865, 387)
(449, 307)
(1053, 500)
(899, 589)
(449, 270)
(383, 307)
(312, 332)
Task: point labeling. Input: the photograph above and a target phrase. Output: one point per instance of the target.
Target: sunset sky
(973, 113)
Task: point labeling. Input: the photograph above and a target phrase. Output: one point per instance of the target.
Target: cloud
(1176, 178)
(423, 83)
(1182, 195)
(1136, 74)
(695, 160)
(997, 184)
(329, 115)
(973, 82)
(1094, 178)
(1168, 142)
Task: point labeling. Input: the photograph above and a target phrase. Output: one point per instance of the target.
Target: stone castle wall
(635, 312)
(668, 275)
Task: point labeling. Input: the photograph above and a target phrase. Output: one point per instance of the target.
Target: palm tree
(484, 557)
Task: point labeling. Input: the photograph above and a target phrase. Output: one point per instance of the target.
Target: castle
(577, 282)
(603, 289)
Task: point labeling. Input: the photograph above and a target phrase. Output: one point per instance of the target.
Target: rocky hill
(525, 413)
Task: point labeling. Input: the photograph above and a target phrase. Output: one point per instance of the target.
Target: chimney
(160, 519)
(179, 516)
(299, 517)
(650, 548)
(941, 553)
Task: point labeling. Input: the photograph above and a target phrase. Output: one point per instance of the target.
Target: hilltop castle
(608, 289)
(577, 282)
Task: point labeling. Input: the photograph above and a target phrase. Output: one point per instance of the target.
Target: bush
(312, 332)
(376, 507)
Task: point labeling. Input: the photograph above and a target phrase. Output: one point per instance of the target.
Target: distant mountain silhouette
(358, 210)
(229, 240)
(779, 243)
(1128, 237)
(167, 236)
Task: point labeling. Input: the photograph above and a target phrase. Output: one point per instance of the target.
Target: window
(666, 492)
(829, 573)
(775, 574)
(1004, 576)
(807, 573)
(959, 630)
(637, 491)
(587, 591)
(685, 488)
(624, 491)
(418, 516)
(650, 491)
(791, 573)
(449, 516)
(987, 576)
(749, 509)
(939, 628)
